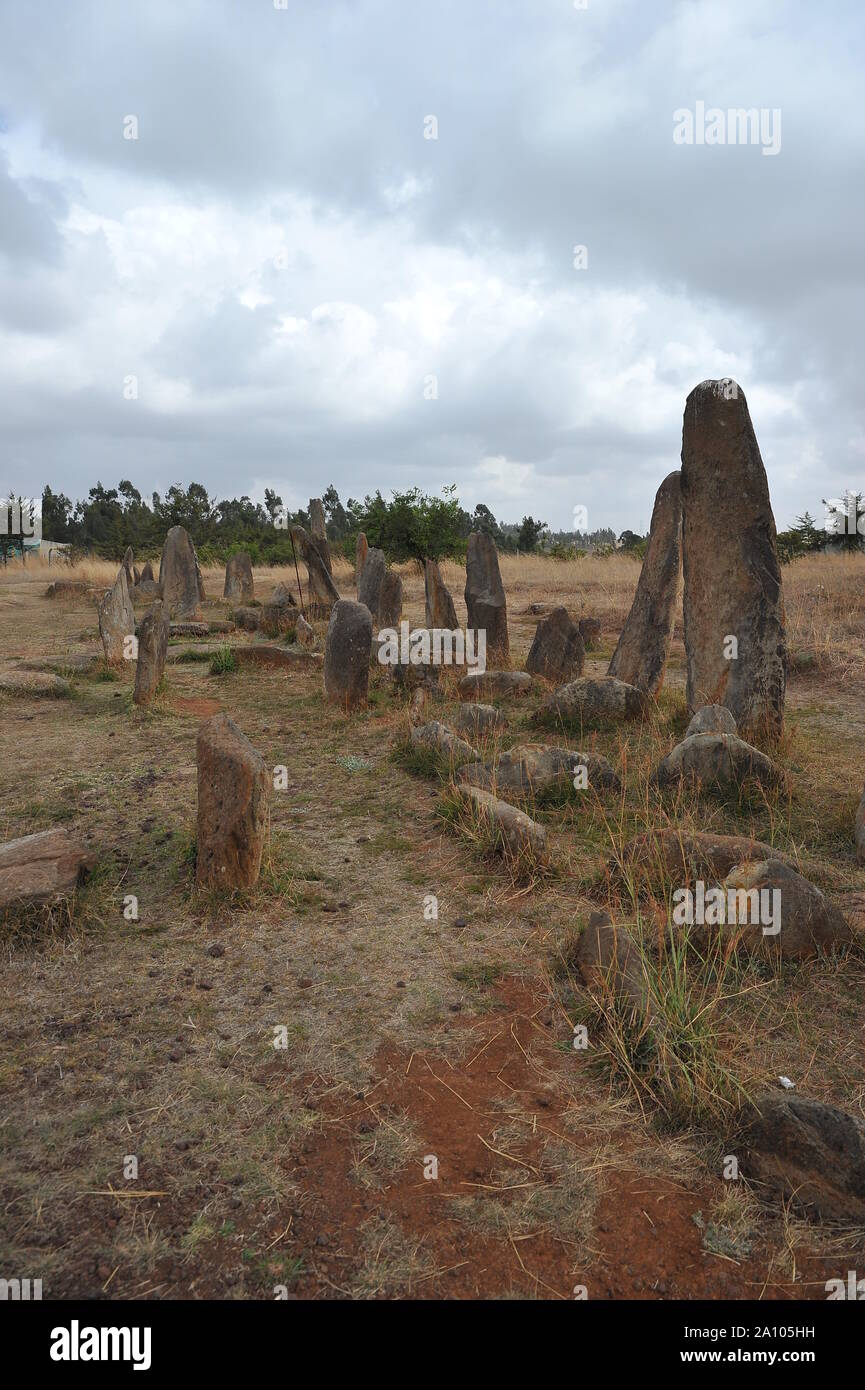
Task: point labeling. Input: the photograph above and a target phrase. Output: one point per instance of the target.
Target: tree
(629, 540)
(530, 534)
(413, 526)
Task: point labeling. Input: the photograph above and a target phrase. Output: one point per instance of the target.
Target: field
(427, 1128)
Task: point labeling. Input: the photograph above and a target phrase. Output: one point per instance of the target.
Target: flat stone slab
(24, 682)
(494, 685)
(515, 831)
(78, 662)
(534, 767)
(686, 857)
(42, 867)
(264, 654)
(442, 739)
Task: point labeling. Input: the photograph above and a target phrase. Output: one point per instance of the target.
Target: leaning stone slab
(239, 584)
(346, 655)
(712, 719)
(516, 832)
(717, 760)
(640, 657)
(116, 620)
(233, 802)
(180, 575)
(535, 767)
(485, 595)
(442, 740)
(809, 923)
(440, 609)
(478, 721)
(732, 574)
(611, 965)
(807, 1153)
(322, 593)
(41, 867)
(557, 652)
(587, 699)
(23, 682)
(152, 651)
(494, 685)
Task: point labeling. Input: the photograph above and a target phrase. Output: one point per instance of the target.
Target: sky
(283, 243)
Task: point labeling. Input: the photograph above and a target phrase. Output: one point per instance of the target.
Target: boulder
(442, 739)
(370, 582)
(535, 767)
(590, 631)
(318, 531)
(611, 965)
(440, 609)
(346, 655)
(247, 619)
(640, 657)
(179, 575)
(233, 806)
(239, 583)
(732, 575)
(478, 721)
(117, 621)
(390, 600)
(494, 685)
(810, 924)
(152, 651)
(806, 1152)
(588, 699)
(67, 588)
(322, 593)
(23, 682)
(717, 760)
(557, 652)
(276, 619)
(514, 831)
(41, 868)
(684, 857)
(712, 719)
(485, 595)
(360, 553)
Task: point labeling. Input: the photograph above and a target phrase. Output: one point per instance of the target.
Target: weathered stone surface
(590, 631)
(390, 600)
(370, 582)
(41, 867)
(516, 832)
(233, 802)
(322, 593)
(186, 629)
(136, 575)
(146, 590)
(478, 721)
(305, 634)
(588, 699)
(533, 767)
(809, 922)
(239, 583)
(220, 625)
(67, 588)
(128, 563)
(116, 620)
(346, 655)
(640, 657)
(557, 652)
(712, 719)
(276, 619)
(719, 760)
(852, 908)
(684, 858)
(283, 595)
(152, 651)
(360, 554)
(23, 682)
(442, 739)
(440, 609)
(276, 657)
(485, 595)
(180, 575)
(732, 575)
(247, 618)
(318, 531)
(147, 573)
(494, 685)
(611, 966)
(417, 706)
(860, 829)
(806, 1152)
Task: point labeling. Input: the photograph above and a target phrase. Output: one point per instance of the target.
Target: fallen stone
(67, 589)
(442, 739)
(346, 655)
(266, 654)
(41, 868)
(611, 965)
(712, 719)
(640, 657)
(494, 685)
(810, 924)
(117, 621)
(440, 609)
(557, 652)
(485, 595)
(806, 1152)
(717, 760)
(180, 575)
(535, 767)
(515, 832)
(187, 629)
(233, 806)
(239, 583)
(588, 699)
(247, 619)
(684, 858)
(480, 721)
(152, 651)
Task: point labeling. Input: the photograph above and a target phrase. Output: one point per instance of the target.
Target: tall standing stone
(440, 609)
(485, 595)
(117, 620)
(371, 580)
(346, 655)
(390, 600)
(153, 637)
(180, 575)
(129, 566)
(641, 655)
(735, 639)
(360, 554)
(239, 584)
(322, 593)
(233, 797)
(318, 531)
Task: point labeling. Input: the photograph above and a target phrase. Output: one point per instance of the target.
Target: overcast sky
(284, 262)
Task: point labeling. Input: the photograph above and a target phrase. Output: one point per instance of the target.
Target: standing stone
(641, 655)
(346, 655)
(135, 575)
(283, 596)
(179, 575)
(322, 593)
(128, 563)
(153, 637)
(116, 620)
(147, 573)
(360, 555)
(318, 531)
(732, 575)
(239, 584)
(485, 595)
(557, 652)
(371, 580)
(440, 609)
(390, 600)
(233, 791)
(860, 829)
